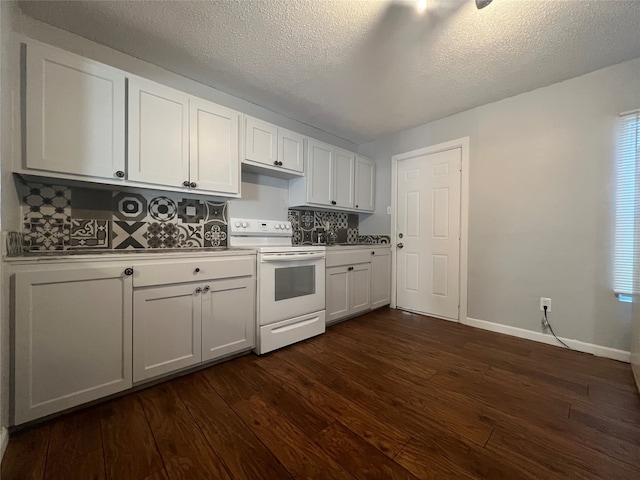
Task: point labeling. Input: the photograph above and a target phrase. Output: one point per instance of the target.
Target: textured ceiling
(362, 69)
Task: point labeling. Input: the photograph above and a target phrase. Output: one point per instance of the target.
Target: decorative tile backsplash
(308, 224)
(70, 218)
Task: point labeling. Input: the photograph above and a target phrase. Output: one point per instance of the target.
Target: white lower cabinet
(380, 277)
(348, 291)
(167, 329)
(72, 336)
(179, 322)
(228, 317)
(357, 280)
(88, 329)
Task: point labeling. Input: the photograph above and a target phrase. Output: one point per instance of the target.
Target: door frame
(463, 145)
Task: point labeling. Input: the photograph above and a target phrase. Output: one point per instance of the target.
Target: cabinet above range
(78, 125)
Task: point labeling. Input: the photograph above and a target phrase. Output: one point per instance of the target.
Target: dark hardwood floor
(388, 395)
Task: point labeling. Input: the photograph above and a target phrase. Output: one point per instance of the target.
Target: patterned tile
(47, 233)
(191, 210)
(215, 235)
(161, 235)
(46, 201)
(131, 207)
(128, 235)
(191, 235)
(352, 235)
(374, 239)
(90, 234)
(294, 217)
(216, 213)
(307, 237)
(162, 209)
(91, 204)
(307, 219)
(15, 243)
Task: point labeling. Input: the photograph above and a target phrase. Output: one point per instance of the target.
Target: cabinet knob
(206, 288)
(185, 183)
(276, 163)
(193, 184)
(197, 270)
(333, 202)
(198, 290)
(356, 206)
(373, 253)
(128, 271)
(350, 268)
(120, 174)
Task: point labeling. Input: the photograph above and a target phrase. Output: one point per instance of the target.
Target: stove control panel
(259, 228)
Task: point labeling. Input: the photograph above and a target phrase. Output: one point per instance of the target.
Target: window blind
(627, 204)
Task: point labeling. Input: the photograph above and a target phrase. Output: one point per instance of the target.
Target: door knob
(400, 235)
(400, 245)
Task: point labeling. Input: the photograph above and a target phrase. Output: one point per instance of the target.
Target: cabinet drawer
(348, 257)
(170, 271)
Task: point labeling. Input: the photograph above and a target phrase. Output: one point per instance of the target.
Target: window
(627, 196)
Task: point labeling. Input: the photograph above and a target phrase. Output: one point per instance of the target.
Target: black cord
(551, 328)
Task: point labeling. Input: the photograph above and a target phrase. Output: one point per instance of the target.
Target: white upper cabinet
(330, 178)
(365, 184)
(291, 150)
(272, 150)
(181, 141)
(158, 134)
(343, 182)
(215, 148)
(260, 141)
(75, 116)
(320, 173)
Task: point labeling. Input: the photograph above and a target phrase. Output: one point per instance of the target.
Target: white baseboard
(4, 442)
(597, 350)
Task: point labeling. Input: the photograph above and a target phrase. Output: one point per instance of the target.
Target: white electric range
(291, 282)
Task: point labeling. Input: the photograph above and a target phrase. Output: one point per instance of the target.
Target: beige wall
(540, 202)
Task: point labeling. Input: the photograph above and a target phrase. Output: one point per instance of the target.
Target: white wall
(540, 202)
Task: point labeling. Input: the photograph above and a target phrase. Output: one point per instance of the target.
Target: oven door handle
(291, 257)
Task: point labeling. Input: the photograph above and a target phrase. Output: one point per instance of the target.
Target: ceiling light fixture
(482, 3)
(421, 5)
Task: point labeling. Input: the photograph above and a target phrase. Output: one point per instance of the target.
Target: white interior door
(428, 233)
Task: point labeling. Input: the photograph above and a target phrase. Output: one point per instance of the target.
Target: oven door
(290, 285)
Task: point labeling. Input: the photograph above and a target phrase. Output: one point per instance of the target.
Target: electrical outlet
(545, 302)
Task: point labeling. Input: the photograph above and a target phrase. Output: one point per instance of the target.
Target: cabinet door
(360, 300)
(215, 152)
(72, 337)
(365, 184)
(380, 277)
(291, 150)
(345, 164)
(166, 329)
(337, 293)
(319, 173)
(158, 134)
(228, 317)
(261, 141)
(75, 112)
